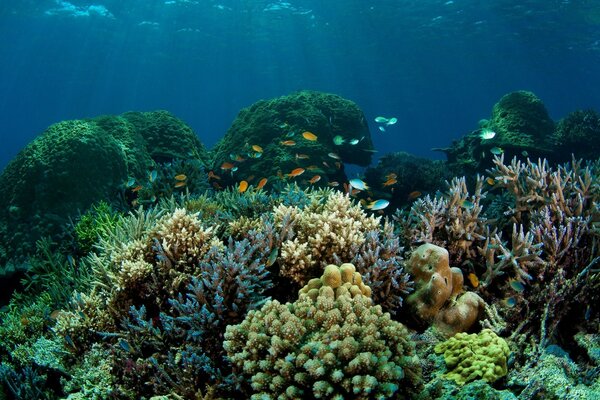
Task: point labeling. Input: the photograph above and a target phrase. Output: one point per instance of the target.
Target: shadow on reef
(170, 274)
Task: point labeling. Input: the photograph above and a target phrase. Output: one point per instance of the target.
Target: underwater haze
(436, 65)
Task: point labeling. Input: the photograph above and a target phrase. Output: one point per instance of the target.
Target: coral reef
(438, 297)
(330, 343)
(475, 356)
(577, 134)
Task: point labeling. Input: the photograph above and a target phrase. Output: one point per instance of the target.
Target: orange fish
(309, 136)
(180, 177)
(243, 186)
(288, 142)
(301, 156)
(473, 279)
(490, 181)
(414, 195)
(239, 158)
(227, 165)
(261, 183)
(212, 175)
(257, 148)
(315, 179)
(137, 188)
(180, 184)
(390, 181)
(296, 172)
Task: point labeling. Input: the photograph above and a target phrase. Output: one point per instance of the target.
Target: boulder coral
(475, 356)
(437, 299)
(331, 343)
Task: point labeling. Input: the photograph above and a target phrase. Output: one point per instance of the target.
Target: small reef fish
(288, 143)
(334, 156)
(473, 279)
(152, 175)
(180, 184)
(124, 345)
(284, 125)
(391, 175)
(413, 195)
(243, 186)
(338, 140)
(382, 129)
(516, 285)
(137, 188)
(130, 182)
(490, 181)
(180, 177)
(392, 121)
(390, 181)
(334, 184)
(296, 172)
(377, 205)
(301, 156)
(381, 120)
(309, 136)
(255, 155)
(212, 175)
(358, 184)
(487, 134)
(354, 142)
(257, 148)
(312, 168)
(227, 165)
(314, 179)
(467, 204)
(262, 183)
(524, 153)
(272, 257)
(510, 302)
(496, 151)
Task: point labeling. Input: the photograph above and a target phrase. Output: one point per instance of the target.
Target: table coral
(475, 356)
(331, 343)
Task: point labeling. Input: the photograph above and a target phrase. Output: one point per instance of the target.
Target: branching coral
(331, 343)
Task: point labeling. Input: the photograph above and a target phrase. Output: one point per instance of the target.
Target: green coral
(475, 356)
(331, 343)
(99, 218)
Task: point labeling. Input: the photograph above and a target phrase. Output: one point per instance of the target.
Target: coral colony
(142, 266)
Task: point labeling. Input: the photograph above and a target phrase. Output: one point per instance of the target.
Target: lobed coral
(330, 343)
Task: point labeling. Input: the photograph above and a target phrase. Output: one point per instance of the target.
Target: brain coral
(331, 343)
(475, 356)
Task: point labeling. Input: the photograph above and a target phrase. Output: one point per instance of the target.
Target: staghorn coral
(436, 298)
(325, 228)
(330, 343)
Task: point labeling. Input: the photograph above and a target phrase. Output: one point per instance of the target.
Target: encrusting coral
(330, 343)
(437, 298)
(475, 356)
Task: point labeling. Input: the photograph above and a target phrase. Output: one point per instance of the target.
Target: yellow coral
(475, 356)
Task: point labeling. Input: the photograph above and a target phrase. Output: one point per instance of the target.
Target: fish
(510, 302)
(180, 184)
(516, 285)
(313, 168)
(333, 184)
(255, 155)
(284, 125)
(490, 181)
(257, 148)
(124, 345)
(377, 205)
(358, 184)
(391, 175)
(137, 188)
(334, 156)
(392, 121)
(130, 182)
(338, 140)
(243, 186)
(338, 165)
(302, 156)
(152, 175)
(261, 183)
(413, 195)
(354, 142)
(290, 134)
(296, 172)
(496, 151)
(382, 129)
(473, 279)
(288, 143)
(467, 204)
(234, 169)
(315, 179)
(309, 136)
(239, 158)
(227, 165)
(390, 181)
(180, 177)
(524, 153)
(370, 150)
(272, 257)
(487, 134)
(381, 120)
(212, 175)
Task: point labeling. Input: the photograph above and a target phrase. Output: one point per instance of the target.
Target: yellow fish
(180, 184)
(288, 142)
(257, 148)
(309, 136)
(243, 186)
(473, 279)
(180, 177)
